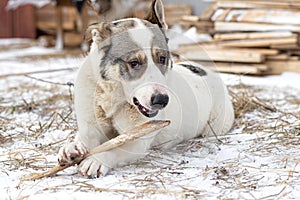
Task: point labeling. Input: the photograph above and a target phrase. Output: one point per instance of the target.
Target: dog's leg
(100, 164)
(92, 131)
(87, 138)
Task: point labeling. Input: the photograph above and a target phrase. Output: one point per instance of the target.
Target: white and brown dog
(127, 79)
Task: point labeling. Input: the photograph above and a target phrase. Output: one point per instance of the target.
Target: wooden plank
(195, 47)
(237, 68)
(273, 16)
(259, 1)
(244, 26)
(190, 18)
(294, 52)
(283, 66)
(208, 12)
(263, 1)
(286, 46)
(177, 13)
(267, 42)
(258, 4)
(282, 57)
(222, 55)
(278, 57)
(222, 15)
(252, 35)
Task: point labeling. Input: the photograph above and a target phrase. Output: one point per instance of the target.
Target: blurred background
(258, 37)
(35, 19)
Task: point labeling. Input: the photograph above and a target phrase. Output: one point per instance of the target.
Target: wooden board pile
(249, 37)
(175, 11)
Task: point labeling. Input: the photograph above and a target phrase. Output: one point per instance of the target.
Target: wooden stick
(124, 138)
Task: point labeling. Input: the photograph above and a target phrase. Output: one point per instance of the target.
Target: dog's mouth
(145, 111)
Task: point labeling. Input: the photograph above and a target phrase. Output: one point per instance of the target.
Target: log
(260, 27)
(128, 136)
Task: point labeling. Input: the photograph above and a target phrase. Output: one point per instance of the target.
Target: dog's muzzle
(158, 102)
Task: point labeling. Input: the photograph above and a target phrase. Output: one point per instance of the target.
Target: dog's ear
(97, 32)
(156, 14)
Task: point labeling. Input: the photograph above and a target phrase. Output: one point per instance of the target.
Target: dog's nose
(159, 101)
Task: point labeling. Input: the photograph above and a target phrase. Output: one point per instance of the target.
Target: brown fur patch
(103, 30)
(99, 112)
(156, 53)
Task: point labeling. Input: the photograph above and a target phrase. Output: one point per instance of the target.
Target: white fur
(196, 104)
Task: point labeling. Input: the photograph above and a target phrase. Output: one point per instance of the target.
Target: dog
(128, 78)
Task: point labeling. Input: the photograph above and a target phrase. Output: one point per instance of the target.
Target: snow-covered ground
(259, 159)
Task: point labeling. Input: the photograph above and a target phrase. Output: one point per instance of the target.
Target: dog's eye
(162, 60)
(135, 64)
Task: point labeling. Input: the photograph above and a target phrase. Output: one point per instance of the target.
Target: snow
(258, 159)
(13, 4)
(287, 79)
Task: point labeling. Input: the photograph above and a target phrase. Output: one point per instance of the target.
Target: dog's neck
(109, 96)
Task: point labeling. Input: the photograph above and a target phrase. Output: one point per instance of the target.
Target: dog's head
(135, 53)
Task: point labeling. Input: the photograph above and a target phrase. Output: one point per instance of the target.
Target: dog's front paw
(92, 167)
(70, 152)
